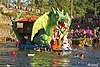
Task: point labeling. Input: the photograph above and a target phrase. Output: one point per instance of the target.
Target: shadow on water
(48, 59)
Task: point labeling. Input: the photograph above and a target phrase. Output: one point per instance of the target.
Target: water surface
(48, 59)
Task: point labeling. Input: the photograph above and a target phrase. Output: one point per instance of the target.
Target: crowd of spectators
(24, 8)
(82, 27)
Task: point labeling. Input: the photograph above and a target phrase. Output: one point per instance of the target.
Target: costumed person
(49, 47)
(56, 35)
(17, 43)
(66, 45)
(26, 38)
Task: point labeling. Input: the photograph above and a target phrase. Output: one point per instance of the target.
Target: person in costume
(56, 35)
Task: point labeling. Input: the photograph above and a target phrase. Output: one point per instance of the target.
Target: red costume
(56, 33)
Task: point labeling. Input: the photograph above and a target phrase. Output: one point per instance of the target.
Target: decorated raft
(46, 30)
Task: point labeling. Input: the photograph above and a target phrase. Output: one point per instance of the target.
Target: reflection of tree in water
(55, 62)
(65, 62)
(41, 59)
(59, 60)
(55, 59)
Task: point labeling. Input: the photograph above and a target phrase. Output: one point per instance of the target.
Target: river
(48, 59)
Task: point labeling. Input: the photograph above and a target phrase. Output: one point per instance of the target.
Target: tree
(36, 2)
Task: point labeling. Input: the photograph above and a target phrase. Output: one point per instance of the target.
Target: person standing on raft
(56, 35)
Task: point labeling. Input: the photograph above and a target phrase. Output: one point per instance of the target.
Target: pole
(95, 6)
(71, 8)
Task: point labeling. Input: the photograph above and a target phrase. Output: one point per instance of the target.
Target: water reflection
(55, 57)
(58, 59)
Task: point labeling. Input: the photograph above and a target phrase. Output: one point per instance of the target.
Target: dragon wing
(40, 23)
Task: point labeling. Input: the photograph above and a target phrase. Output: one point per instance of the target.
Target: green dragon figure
(43, 28)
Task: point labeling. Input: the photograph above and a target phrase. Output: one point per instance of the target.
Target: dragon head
(60, 18)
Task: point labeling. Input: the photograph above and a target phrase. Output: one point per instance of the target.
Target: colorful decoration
(45, 26)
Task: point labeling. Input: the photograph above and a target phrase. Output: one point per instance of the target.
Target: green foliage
(79, 7)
